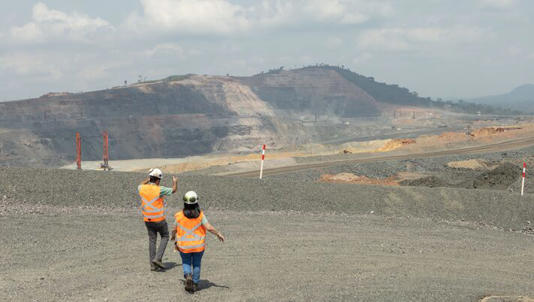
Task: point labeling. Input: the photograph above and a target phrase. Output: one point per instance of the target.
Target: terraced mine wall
(166, 121)
(194, 115)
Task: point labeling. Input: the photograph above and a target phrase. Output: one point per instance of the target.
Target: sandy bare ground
(63, 254)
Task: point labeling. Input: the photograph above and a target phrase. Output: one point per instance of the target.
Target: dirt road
(494, 147)
(66, 254)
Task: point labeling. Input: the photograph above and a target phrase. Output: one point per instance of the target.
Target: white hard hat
(191, 197)
(155, 173)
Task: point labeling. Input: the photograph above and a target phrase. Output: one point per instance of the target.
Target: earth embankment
(118, 190)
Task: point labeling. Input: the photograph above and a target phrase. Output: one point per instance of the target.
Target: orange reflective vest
(190, 233)
(152, 205)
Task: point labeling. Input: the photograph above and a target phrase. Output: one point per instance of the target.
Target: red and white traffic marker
(262, 159)
(78, 151)
(523, 179)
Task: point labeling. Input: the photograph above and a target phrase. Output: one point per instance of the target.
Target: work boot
(158, 264)
(154, 268)
(189, 285)
(195, 287)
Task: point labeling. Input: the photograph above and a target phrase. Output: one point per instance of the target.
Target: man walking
(153, 207)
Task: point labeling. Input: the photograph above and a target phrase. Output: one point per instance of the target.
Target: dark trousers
(153, 229)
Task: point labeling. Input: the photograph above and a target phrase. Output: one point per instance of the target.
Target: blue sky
(438, 48)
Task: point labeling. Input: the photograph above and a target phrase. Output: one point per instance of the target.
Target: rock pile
(500, 178)
(427, 181)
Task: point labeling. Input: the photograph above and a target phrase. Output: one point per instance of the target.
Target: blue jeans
(194, 259)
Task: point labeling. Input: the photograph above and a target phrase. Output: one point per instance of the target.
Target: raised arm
(144, 182)
(174, 184)
(212, 230)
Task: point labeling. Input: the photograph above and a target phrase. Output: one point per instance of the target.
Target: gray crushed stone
(502, 209)
(437, 173)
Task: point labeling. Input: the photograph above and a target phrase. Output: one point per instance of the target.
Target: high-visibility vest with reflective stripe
(190, 233)
(152, 205)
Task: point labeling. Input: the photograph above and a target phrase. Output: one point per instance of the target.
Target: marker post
(262, 159)
(523, 178)
(78, 151)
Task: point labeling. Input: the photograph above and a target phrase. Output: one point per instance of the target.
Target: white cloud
(403, 39)
(518, 52)
(362, 58)
(501, 4)
(30, 65)
(222, 17)
(97, 68)
(28, 32)
(333, 42)
(166, 49)
(280, 13)
(398, 38)
(333, 10)
(514, 50)
(49, 24)
(190, 16)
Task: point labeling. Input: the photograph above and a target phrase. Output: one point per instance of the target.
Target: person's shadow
(168, 266)
(205, 284)
(171, 264)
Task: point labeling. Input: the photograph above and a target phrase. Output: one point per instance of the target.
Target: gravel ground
(74, 254)
(118, 190)
(436, 167)
(77, 236)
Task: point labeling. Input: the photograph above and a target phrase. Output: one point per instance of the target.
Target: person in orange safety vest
(190, 235)
(153, 207)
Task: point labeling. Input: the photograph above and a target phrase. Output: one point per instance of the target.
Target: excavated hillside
(315, 90)
(191, 115)
(194, 115)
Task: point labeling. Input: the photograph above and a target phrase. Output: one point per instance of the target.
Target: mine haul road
(494, 147)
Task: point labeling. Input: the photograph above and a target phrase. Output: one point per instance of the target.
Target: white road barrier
(523, 179)
(262, 159)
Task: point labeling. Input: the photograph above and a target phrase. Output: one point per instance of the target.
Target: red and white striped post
(78, 151)
(262, 159)
(105, 151)
(523, 179)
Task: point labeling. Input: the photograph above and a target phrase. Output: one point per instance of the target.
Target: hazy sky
(439, 48)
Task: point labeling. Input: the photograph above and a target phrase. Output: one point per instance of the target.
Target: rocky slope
(315, 90)
(192, 115)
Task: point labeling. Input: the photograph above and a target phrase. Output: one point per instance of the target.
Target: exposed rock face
(181, 116)
(315, 90)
